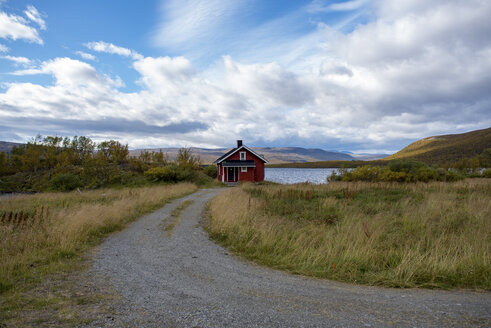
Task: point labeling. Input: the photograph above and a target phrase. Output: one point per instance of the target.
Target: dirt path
(179, 278)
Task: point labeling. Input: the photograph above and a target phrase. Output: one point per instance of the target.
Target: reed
(433, 235)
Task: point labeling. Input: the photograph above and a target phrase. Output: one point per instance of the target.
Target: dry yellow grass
(435, 235)
(75, 222)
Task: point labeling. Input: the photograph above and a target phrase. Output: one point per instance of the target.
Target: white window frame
(242, 158)
(243, 169)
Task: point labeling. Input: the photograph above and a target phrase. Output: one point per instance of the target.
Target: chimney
(239, 143)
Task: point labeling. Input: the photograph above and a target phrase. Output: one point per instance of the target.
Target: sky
(366, 76)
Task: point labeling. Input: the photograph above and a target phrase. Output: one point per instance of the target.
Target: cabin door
(231, 174)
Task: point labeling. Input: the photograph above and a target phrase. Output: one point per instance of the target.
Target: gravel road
(182, 279)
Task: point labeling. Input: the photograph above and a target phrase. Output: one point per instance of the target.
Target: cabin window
(243, 169)
(242, 155)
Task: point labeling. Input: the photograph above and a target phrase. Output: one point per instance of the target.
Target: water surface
(297, 175)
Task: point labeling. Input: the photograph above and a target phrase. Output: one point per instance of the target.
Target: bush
(391, 176)
(170, 173)
(425, 174)
(408, 166)
(398, 171)
(65, 182)
(211, 171)
(166, 173)
(202, 179)
(486, 173)
(363, 173)
(454, 176)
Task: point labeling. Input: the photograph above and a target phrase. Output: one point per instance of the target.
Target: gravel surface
(182, 279)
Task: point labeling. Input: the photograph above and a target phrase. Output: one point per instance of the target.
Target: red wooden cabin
(240, 164)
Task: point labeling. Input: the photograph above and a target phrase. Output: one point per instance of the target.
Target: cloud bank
(418, 68)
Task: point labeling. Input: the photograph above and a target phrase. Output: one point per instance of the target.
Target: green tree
(186, 160)
(3, 162)
(51, 150)
(145, 157)
(83, 147)
(114, 151)
(159, 157)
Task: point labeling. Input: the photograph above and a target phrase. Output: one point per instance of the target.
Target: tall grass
(435, 235)
(63, 225)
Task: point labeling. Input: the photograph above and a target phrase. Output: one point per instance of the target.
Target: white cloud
(187, 21)
(33, 14)
(110, 48)
(69, 72)
(85, 55)
(405, 75)
(16, 27)
(323, 6)
(163, 72)
(3, 48)
(17, 60)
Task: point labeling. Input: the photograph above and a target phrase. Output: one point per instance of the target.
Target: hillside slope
(6, 146)
(448, 148)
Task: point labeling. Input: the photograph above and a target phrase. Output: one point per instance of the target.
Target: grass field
(433, 235)
(56, 228)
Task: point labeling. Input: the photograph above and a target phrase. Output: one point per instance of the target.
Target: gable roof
(233, 151)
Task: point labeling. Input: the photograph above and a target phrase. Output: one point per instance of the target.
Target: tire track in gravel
(186, 280)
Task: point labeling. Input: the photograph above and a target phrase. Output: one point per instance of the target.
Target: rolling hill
(448, 148)
(6, 146)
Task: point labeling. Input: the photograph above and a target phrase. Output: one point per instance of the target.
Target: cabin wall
(259, 174)
(252, 174)
(247, 176)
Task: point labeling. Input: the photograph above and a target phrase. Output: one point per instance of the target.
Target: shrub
(65, 182)
(167, 173)
(211, 171)
(391, 176)
(425, 174)
(399, 171)
(486, 173)
(408, 166)
(363, 173)
(454, 176)
(170, 173)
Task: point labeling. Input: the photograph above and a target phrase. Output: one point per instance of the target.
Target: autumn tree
(114, 151)
(186, 159)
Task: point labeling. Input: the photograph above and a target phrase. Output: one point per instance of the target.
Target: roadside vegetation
(432, 235)
(81, 192)
(403, 171)
(48, 233)
(64, 164)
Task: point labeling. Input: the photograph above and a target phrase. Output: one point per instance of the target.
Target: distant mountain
(274, 155)
(6, 146)
(446, 148)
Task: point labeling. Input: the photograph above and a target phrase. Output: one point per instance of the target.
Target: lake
(297, 175)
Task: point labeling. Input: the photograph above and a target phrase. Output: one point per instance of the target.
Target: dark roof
(248, 163)
(223, 157)
(227, 154)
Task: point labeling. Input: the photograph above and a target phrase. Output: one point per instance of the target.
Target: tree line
(63, 163)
